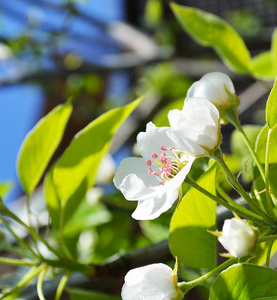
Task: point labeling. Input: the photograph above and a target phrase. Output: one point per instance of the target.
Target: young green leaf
(83, 156)
(245, 282)
(189, 239)
(271, 107)
(39, 146)
(262, 66)
(261, 142)
(210, 30)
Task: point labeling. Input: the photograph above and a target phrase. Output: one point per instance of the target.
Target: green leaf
(161, 119)
(86, 217)
(261, 253)
(261, 145)
(56, 207)
(83, 156)
(210, 30)
(39, 146)
(188, 237)
(262, 66)
(79, 294)
(245, 282)
(5, 188)
(271, 107)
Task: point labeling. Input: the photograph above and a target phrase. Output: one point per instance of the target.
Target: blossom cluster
(154, 180)
(168, 152)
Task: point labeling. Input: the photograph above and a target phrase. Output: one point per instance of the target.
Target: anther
(150, 171)
(148, 162)
(163, 148)
(155, 155)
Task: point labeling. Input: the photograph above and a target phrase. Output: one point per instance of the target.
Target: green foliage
(271, 107)
(262, 67)
(5, 188)
(245, 282)
(39, 146)
(188, 238)
(210, 30)
(261, 142)
(68, 181)
(81, 159)
(161, 119)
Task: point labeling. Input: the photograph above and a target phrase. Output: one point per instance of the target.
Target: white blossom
(212, 87)
(196, 129)
(151, 282)
(153, 179)
(238, 237)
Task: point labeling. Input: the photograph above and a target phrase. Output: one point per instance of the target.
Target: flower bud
(238, 237)
(218, 88)
(151, 282)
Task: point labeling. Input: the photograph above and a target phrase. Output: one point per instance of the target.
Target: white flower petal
(158, 284)
(152, 208)
(150, 142)
(152, 282)
(153, 181)
(212, 87)
(196, 127)
(130, 292)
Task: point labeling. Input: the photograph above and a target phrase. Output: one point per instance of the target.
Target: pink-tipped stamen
(163, 148)
(155, 155)
(150, 171)
(148, 162)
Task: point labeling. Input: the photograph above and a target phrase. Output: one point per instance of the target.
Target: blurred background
(103, 54)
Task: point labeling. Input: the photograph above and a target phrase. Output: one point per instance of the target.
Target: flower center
(165, 166)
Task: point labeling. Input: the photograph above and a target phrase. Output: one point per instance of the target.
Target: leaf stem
(186, 286)
(61, 286)
(5, 211)
(232, 117)
(40, 282)
(18, 239)
(272, 237)
(238, 209)
(217, 156)
(16, 262)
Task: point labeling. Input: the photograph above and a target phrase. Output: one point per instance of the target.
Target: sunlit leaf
(261, 145)
(188, 238)
(210, 30)
(83, 156)
(5, 188)
(271, 107)
(262, 66)
(245, 282)
(39, 146)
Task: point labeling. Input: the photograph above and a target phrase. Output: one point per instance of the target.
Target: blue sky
(21, 105)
